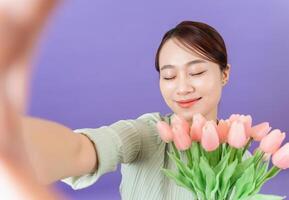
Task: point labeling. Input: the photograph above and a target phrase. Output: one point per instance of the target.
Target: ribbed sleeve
(116, 143)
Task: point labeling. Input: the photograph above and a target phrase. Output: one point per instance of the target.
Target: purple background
(96, 66)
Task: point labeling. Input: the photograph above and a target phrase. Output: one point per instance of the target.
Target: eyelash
(190, 74)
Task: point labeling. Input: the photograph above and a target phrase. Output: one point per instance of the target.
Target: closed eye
(198, 73)
(190, 74)
(169, 78)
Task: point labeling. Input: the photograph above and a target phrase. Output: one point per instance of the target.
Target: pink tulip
(233, 117)
(181, 129)
(258, 132)
(210, 138)
(271, 142)
(237, 136)
(196, 128)
(165, 131)
(246, 119)
(179, 120)
(281, 157)
(223, 129)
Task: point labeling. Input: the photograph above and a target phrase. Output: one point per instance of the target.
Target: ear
(226, 74)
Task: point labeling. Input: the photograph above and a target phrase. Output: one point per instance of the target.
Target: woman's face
(184, 75)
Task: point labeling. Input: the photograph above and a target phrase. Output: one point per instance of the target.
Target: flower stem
(270, 174)
(259, 158)
(190, 159)
(201, 150)
(232, 151)
(176, 151)
(247, 146)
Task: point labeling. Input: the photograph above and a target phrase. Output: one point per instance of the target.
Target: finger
(20, 23)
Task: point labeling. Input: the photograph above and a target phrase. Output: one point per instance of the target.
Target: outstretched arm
(55, 152)
(28, 145)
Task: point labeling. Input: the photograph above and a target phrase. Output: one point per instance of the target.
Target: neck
(210, 116)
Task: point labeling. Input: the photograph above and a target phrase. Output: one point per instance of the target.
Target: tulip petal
(210, 138)
(272, 142)
(181, 131)
(223, 130)
(259, 131)
(196, 128)
(181, 138)
(165, 131)
(281, 157)
(237, 137)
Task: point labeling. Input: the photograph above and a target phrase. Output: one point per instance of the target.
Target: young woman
(192, 65)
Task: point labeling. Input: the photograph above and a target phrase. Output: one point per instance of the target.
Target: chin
(187, 115)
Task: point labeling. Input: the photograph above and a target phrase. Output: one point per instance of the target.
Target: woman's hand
(21, 22)
(20, 25)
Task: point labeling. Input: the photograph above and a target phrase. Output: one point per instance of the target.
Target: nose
(184, 86)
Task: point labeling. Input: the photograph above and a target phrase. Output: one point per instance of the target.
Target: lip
(188, 103)
(188, 100)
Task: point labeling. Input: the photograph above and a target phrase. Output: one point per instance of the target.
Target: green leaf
(219, 169)
(198, 178)
(214, 193)
(226, 176)
(245, 184)
(181, 166)
(209, 175)
(214, 157)
(178, 178)
(241, 167)
(198, 192)
(222, 164)
(194, 179)
(261, 171)
(231, 194)
(270, 174)
(224, 149)
(195, 152)
(239, 154)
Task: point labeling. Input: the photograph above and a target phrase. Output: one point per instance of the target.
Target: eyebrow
(192, 62)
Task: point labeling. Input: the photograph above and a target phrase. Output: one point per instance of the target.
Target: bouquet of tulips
(211, 160)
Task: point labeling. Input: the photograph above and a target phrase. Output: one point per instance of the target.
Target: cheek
(210, 87)
(166, 89)
(210, 83)
(213, 92)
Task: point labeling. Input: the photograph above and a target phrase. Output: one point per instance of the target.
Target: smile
(188, 104)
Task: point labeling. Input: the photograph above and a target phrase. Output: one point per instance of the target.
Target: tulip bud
(260, 131)
(223, 130)
(237, 137)
(165, 131)
(271, 142)
(196, 128)
(181, 129)
(210, 138)
(281, 157)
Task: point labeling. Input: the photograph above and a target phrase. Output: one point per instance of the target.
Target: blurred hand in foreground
(20, 24)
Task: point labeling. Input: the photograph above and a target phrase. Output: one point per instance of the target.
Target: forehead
(174, 53)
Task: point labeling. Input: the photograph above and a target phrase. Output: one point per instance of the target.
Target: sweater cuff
(106, 144)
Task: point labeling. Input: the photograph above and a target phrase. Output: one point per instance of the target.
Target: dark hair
(200, 38)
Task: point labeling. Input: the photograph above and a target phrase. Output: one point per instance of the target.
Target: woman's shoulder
(147, 121)
(153, 117)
